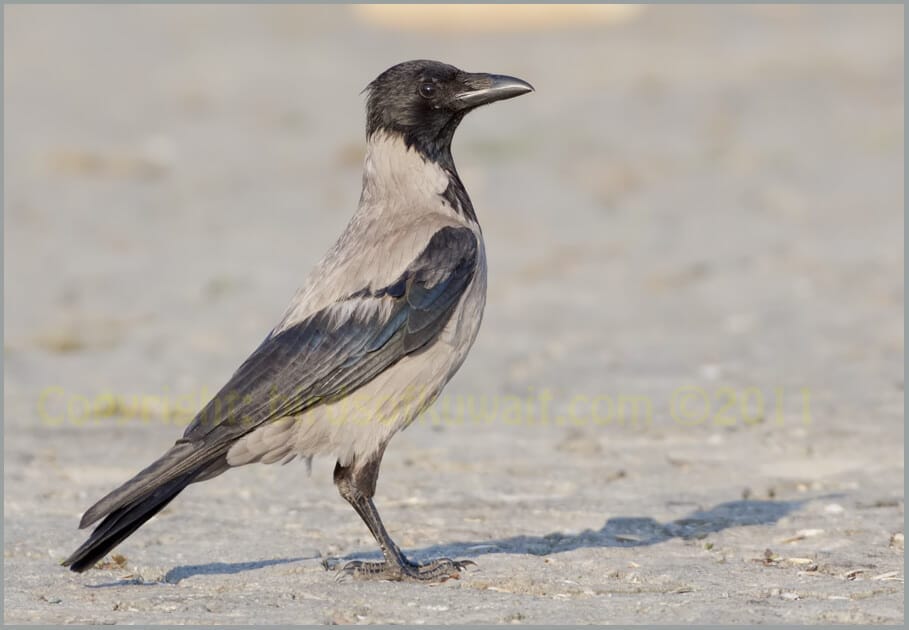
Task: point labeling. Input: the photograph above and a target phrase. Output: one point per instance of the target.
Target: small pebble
(789, 596)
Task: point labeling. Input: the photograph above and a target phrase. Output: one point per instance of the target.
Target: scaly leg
(357, 484)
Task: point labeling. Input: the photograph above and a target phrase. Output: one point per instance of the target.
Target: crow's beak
(489, 88)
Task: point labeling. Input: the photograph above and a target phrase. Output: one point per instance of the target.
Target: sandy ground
(695, 235)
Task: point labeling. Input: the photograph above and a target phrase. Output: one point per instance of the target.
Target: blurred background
(694, 197)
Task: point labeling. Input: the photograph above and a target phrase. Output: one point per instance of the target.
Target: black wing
(324, 357)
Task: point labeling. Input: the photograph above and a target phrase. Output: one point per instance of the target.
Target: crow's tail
(126, 508)
(124, 521)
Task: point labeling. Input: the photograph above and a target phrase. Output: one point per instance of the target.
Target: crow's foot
(437, 570)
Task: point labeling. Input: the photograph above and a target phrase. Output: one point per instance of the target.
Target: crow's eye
(427, 90)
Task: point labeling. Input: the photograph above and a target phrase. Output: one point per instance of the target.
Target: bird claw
(465, 563)
(438, 570)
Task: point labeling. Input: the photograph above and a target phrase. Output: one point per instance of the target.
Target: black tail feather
(144, 483)
(120, 523)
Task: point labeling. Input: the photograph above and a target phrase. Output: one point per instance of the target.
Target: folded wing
(326, 356)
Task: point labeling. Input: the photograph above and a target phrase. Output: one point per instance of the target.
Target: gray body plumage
(400, 210)
(371, 338)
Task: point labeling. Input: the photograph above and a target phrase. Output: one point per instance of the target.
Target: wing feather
(343, 346)
(326, 356)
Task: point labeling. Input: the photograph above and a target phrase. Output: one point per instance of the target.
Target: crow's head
(424, 101)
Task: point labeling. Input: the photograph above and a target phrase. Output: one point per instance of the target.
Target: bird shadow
(177, 574)
(226, 568)
(619, 531)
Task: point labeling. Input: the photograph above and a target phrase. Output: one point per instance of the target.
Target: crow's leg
(357, 484)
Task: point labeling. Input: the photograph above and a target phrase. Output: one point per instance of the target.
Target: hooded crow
(369, 341)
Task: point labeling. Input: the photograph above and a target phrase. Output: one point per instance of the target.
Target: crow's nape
(122, 522)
